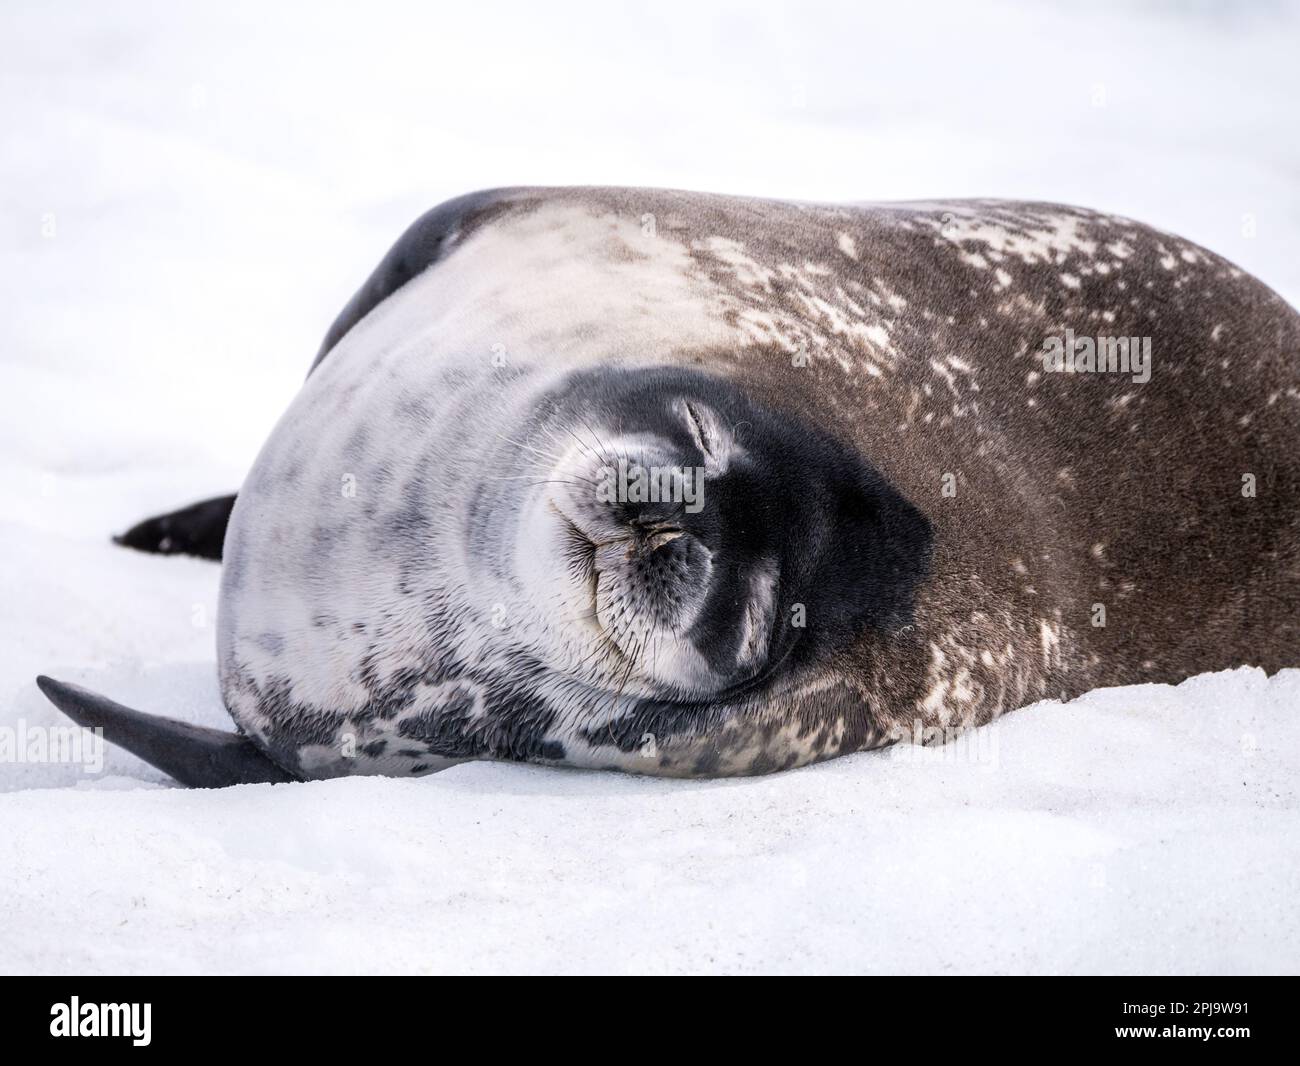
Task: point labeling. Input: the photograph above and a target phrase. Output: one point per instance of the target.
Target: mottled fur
(428, 615)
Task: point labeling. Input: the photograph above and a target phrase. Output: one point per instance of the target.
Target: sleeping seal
(688, 484)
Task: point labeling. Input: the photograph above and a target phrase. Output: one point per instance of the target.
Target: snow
(1132, 830)
(189, 198)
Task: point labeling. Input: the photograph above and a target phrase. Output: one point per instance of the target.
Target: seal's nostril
(662, 537)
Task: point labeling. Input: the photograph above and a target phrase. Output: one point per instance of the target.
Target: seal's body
(689, 484)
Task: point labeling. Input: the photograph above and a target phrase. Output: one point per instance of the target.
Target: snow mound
(1143, 829)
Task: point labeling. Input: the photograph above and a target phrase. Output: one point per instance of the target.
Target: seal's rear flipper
(199, 529)
(193, 754)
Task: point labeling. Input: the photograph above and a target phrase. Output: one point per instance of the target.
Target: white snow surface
(191, 192)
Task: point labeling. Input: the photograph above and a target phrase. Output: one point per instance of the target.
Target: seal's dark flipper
(199, 529)
(196, 756)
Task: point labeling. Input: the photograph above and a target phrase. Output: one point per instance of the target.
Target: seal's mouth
(627, 570)
(579, 554)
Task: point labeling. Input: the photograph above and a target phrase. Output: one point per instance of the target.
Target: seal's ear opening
(194, 755)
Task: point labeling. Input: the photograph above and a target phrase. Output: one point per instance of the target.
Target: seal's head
(681, 543)
(499, 522)
(649, 570)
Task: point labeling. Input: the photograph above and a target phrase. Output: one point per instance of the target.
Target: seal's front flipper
(199, 529)
(193, 754)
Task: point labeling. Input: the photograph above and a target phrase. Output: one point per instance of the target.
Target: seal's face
(653, 528)
(679, 535)
(561, 555)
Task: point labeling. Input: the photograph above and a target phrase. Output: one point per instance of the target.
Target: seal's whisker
(554, 458)
(531, 480)
(597, 453)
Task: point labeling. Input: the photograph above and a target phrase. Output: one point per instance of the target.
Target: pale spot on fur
(1038, 236)
(948, 376)
(1049, 636)
(747, 270)
(878, 336)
